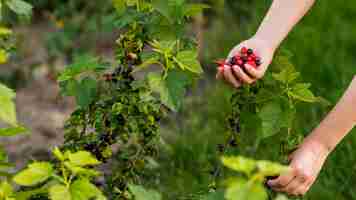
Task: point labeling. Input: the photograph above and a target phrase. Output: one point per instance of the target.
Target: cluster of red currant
(245, 56)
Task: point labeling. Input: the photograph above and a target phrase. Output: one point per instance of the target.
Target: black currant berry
(233, 61)
(221, 147)
(258, 62)
(233, 143)
(249, 51)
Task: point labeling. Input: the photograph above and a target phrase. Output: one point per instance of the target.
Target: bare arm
(339, 121)
(282, 16)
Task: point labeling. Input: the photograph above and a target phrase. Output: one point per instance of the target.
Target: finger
(292, 187)
(220, 72)
(282, 180)
(229, 77)
(255, 73)
(241, 75)
(302, 190)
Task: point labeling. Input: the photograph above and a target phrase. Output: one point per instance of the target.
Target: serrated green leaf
(7, 106)
(172, 89)
(20, 7)
(59, 192)
(84, 63)
(287, 75)
(239, 164)
(240, 189)
(6, 132)
(36, 173)
(86, 92)
(301, 92)
(188, 60)
(82, 189)
(82, 158)
(141, 193)
(271, 116)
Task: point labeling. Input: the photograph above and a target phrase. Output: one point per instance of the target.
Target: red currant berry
(243, 50)
(240, 62)
(253, 56)
(253, 64)
(250, 58)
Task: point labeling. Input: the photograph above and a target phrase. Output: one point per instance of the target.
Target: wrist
(266, 42)
(321, 147)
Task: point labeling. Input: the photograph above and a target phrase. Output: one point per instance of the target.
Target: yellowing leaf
(4, 56)
(5, 31)
(59, 192)
(36, 173)
(268, 168)
(82, 158)
(239, 163)
(243, 190)
(7, 106)
(12, 131)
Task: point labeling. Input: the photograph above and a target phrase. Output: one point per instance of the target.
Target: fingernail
(269, 183)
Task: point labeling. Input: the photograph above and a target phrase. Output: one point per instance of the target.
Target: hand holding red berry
(246, 63)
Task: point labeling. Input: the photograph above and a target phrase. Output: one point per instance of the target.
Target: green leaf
(120, 6)
(84, 63)
(194, 9)
(162, 7)
(301, 92)
(141, 193)
(239, 163)
(86, 92)
(82, 189)
(188, 60)
(12, 131)
(240, 189)
(268, 168)
(20, 7)
(146, 63)
(287, 75)
(172, 89)
(36, 173)
(270, 115)
(7, 106)
(59, 192)
(81, 170)
(218, 195)
(6, 190)
(58, 154)
(281, 197)
(82, 158)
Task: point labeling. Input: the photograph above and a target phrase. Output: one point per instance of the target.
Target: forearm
(282, 16)
(339, 121)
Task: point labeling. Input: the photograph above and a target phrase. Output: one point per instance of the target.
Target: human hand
(237, 76)
(306, 163)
